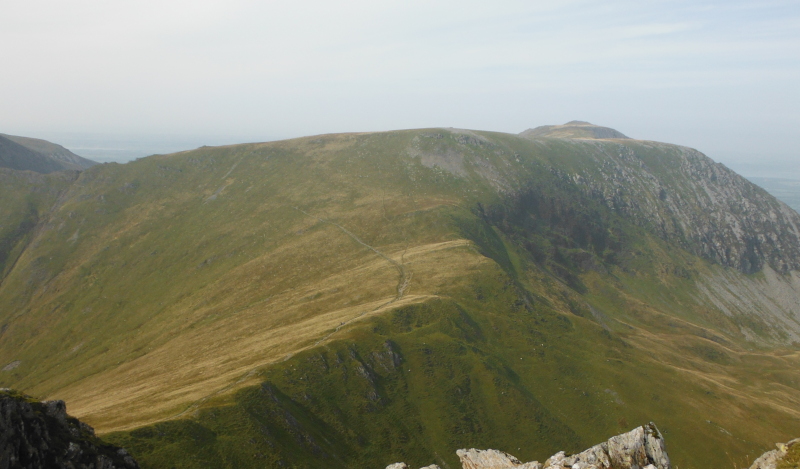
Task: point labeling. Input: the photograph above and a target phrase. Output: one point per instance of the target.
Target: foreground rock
(787, 456)
(641, 448)
(37, 435)
(491, 459)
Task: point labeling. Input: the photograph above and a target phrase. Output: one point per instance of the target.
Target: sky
(158, 76)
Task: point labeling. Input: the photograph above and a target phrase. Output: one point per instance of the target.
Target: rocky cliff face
(676, 192)
(641, 448)
(685, 197)
(37, 435)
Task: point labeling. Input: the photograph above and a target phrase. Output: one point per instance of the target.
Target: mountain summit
(573, 129)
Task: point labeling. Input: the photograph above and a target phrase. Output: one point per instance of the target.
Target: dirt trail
(404, 279)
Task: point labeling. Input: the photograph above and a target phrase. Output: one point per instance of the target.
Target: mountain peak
(573, 129)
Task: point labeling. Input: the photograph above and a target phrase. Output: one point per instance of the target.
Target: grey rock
(531, 465)
(41, 435)
(486, 459)
(402, 465)
(641, 448)
(771, 459)
(638, 449)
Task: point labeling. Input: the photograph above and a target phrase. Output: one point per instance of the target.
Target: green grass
(418, 383)
(792, 458)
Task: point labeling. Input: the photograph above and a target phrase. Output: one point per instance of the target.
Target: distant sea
(786, 190)
(107, 148)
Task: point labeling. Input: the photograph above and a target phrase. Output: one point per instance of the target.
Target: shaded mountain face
(41, 156)
(573, 129)
(341, 300)
(18, 157)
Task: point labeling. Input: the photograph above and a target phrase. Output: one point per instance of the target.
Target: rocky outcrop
(641, 448)
(685, 197)
(402, 465)
(682, 196)
(36, 435)
(787, 456)
(491, 459)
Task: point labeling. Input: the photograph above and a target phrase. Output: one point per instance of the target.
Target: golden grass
(216, 356)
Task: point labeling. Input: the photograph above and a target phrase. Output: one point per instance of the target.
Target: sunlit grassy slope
(351, 300)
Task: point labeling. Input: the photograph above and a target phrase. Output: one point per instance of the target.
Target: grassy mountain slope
(258, 293)
(41, 156)
(27, 200)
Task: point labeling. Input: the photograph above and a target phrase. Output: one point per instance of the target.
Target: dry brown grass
(218, 355)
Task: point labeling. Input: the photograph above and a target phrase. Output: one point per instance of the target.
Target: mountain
(23, 153)
(573, 129)
(344, 300)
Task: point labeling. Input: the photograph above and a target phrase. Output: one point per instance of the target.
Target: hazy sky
(722, 76)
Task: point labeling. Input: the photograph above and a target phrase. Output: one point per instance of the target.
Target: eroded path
(404, 276)
(403, 281)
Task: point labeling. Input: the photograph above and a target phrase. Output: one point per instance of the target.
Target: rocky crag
(787, 456)
(641, 448)
(37, 435)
